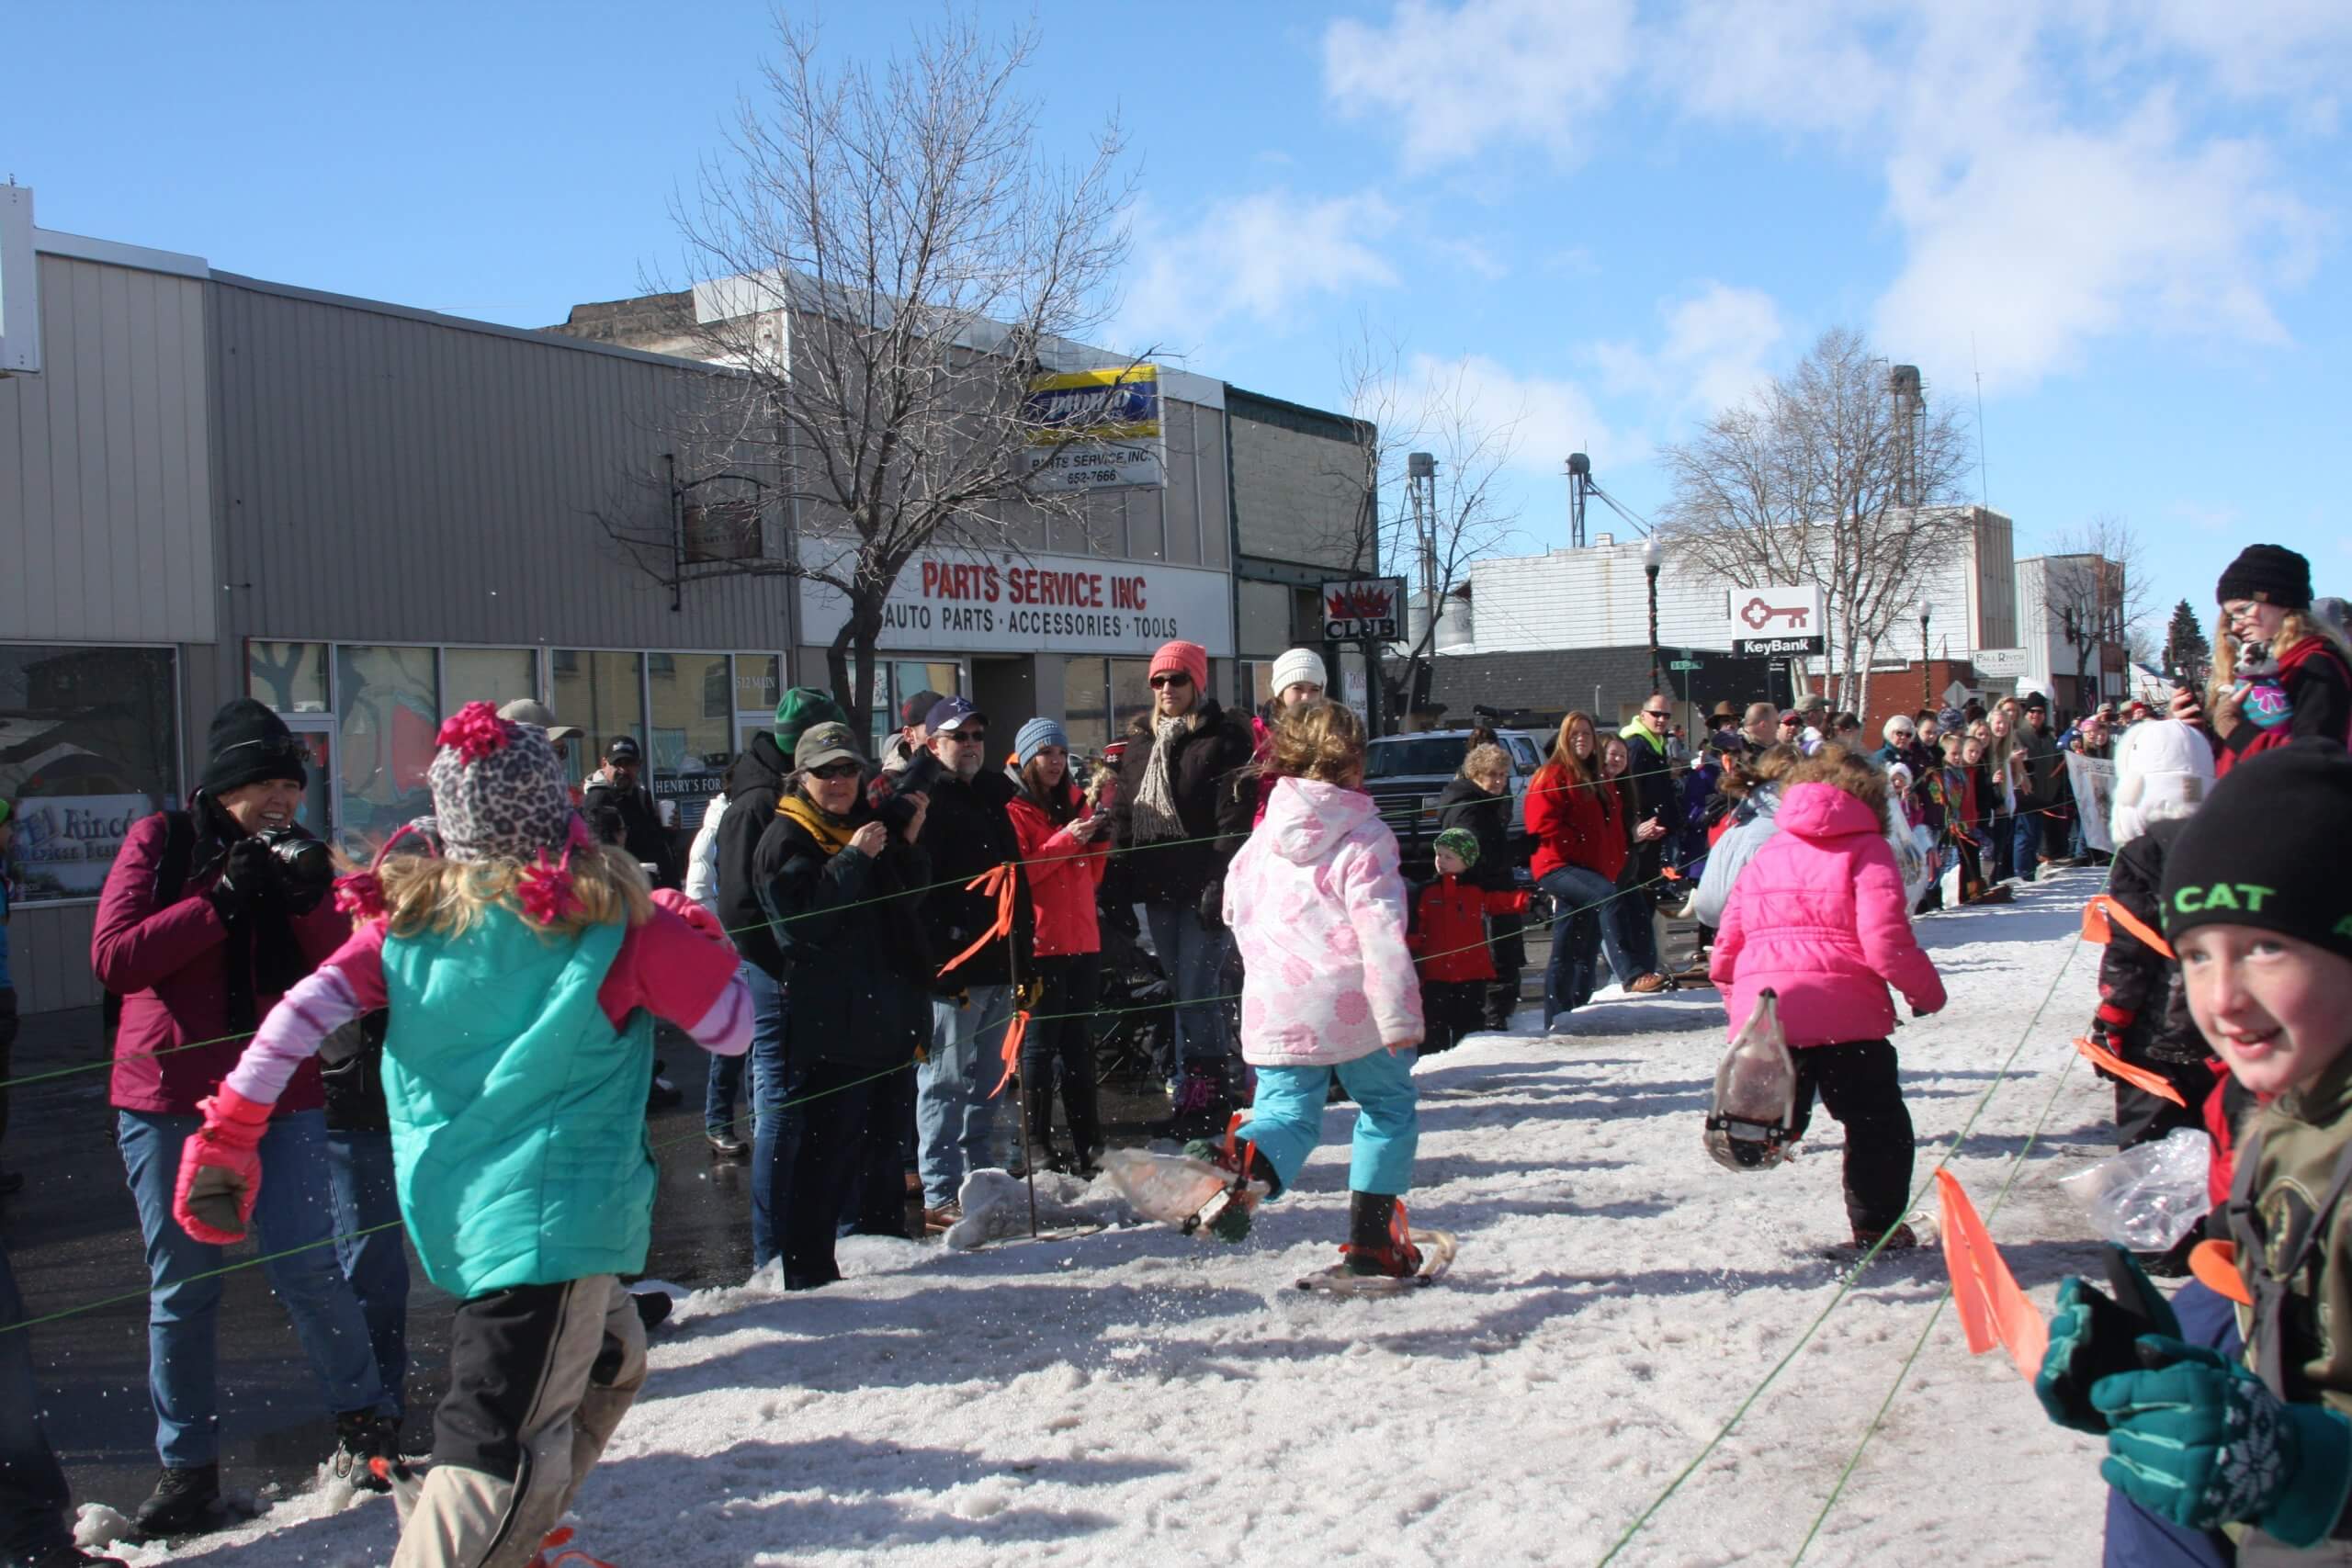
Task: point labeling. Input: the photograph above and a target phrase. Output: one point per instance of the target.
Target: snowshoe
(362, 1437)
(1750, 1119)
(1210, 1186)
(1383, 1256)
(1918, 1234)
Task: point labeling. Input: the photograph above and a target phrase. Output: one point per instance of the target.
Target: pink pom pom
(546, 892)
(474, 731)
(579, 835)
(360, 894)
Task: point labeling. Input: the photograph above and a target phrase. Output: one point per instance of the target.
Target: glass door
(320, 807)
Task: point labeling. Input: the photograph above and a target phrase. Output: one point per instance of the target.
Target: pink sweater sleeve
(1888, 942)
(675, 971)
(1375, 893)
(349, 984)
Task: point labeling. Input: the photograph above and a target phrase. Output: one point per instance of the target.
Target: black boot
(185, 1502)
(361, 1436)
(1378, 1239)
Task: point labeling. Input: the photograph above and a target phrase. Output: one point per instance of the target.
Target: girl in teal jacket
(521, 968)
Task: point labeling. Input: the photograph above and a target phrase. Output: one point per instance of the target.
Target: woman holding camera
(208, 914)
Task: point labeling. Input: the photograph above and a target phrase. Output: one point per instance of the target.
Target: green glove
(2200, 1441)
(2093, 1336)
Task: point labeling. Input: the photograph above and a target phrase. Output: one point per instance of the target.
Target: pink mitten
(221, 1169)
(686, 910)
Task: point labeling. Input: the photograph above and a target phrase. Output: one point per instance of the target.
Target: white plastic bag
(2150, 1195)
(1755, 1094)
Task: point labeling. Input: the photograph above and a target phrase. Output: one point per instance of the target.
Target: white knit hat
(1300, 664)
(2163, 768)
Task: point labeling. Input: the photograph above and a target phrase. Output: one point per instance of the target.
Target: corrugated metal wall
(386, 476)
(105, 464)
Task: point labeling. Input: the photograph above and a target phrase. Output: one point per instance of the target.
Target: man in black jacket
(2043, 809)
(619, 808)
(966, 834)
(755, 783)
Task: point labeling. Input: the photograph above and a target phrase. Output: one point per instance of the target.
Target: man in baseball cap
(949, 715)
(621, 810)
(525, 710)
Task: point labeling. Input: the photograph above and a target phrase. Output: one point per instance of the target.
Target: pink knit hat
(1190, 657)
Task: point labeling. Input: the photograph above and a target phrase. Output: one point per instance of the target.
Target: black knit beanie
(2270, 849)
(247, 744)
(2268, 574)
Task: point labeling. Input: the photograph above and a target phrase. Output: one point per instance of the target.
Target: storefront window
(759, 682)
(603, 694)
(289, 676)
(1086, 708)
(693, 711)
(493, 675)
(388, 707)
(89, 744)
(1130, 693)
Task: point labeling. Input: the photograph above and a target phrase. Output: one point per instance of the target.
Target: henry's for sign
(1776, 622)
(1371, 608)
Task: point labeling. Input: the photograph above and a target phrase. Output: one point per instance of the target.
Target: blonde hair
(426, 894)
(1321, 740)
(1485, 759)
(1840, 768)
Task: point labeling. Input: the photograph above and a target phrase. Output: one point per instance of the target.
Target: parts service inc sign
(1370, 610)
(1008, 604)
(1096, 429)
(1778, 623)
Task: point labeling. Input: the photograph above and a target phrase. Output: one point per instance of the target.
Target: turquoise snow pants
(1286, 1120)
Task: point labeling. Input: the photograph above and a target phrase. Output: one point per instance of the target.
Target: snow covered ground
(1135, 1397)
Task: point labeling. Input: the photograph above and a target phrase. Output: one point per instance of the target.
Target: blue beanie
(1034, 736)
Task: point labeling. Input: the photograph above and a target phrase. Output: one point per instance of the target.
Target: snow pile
(1133, 1395)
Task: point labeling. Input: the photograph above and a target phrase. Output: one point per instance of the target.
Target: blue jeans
(372, 1247)
(295, 1211)
(2026, 852)
(1636, 932)
(776, 1132)
(1286, 1120)
(1575, 928)
(1194, 959)
(955, 1118)
(719, 1094)
(33, 1499)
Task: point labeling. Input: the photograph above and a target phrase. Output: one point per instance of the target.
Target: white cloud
(1714, 353)
(1541, 418)
(1456, 81)
(1259, 257)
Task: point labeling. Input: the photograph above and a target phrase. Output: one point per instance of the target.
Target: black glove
(1211, 907)
(248, 879)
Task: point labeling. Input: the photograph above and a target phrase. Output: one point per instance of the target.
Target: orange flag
(2215, 1264)
(1012, 1052)
(1993, 1310)
(1001, 881)
(2108, 1061)
(2101, 910)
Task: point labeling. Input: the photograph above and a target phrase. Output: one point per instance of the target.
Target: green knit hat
(1461, 843)
(803, 706)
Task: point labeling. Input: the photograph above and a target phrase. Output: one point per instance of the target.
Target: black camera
(888, 794)
(305, 866)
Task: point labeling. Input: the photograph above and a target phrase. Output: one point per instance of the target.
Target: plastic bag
(2150, 1195)
(1749, 1116)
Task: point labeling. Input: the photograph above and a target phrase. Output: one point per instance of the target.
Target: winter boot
(185, 1502)
(1202, 1105)
(362, 1437)
(1897, 1238)
(1228, 1215)
(1379, 1241)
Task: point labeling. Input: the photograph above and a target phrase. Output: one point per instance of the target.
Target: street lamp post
(1653, 557)
(1926, 680)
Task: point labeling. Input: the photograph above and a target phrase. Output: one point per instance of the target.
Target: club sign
(1371, 609)
(1775, 622)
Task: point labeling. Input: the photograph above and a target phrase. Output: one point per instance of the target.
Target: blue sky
(1604, 219)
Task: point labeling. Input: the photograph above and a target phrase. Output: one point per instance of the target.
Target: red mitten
(221, 1169)
(686, 910)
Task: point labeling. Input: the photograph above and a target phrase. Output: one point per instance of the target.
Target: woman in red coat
(1581, 844)
(1063, 850)
(200, 927)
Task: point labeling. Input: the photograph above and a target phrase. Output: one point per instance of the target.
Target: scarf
(832, 833)
(1153, 813)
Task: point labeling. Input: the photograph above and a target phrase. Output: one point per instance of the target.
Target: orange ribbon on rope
(2101, 910)
(1004, 881)
(2215, 1264)
(1993, 1310)
(1011, 1051)
(2109, 1062)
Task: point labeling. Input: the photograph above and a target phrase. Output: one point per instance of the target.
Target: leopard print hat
(498, 791)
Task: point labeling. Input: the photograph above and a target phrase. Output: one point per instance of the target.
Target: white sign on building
(1004, 603)
(1778, 621)
(2002, 663)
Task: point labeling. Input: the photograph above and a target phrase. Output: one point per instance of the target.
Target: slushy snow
(1134, 1396)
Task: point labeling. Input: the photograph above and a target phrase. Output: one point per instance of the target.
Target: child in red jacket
(1448, 939)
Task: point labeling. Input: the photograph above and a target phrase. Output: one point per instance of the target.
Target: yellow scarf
(831, 836)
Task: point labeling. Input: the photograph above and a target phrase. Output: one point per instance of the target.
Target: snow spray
(1748, 1120)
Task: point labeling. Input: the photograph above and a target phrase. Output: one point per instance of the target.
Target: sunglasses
(836, 770)
(1177, 678)
(966, 737)
(1657, 713)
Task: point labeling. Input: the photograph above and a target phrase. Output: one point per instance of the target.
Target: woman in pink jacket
(1818, 917)
(1318, 905)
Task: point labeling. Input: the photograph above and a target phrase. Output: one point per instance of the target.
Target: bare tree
(1824, 477)
(1464, 517)
(2094, 593)
(888, 262)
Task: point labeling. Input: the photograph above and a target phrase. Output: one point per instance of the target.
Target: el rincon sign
(1009, 603)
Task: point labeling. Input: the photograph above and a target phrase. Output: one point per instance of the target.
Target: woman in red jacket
(200, 927)
(1579, 826)
(1063, 850)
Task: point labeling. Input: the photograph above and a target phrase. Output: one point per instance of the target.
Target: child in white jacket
(1317, 907)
